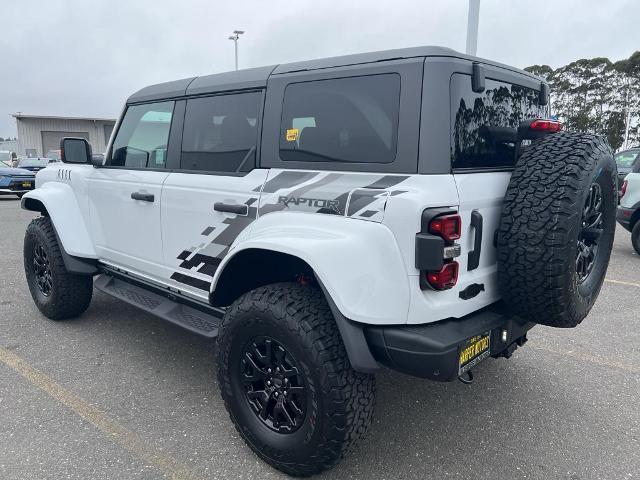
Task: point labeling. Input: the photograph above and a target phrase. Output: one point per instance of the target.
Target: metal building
(38, 134)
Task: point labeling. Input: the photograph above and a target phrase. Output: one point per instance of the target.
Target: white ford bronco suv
(411, 209)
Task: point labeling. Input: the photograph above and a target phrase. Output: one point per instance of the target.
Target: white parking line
(116, 432)
(620, 282)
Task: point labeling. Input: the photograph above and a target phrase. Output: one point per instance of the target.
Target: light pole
(626, 128)
(472, 27)
(235, 37)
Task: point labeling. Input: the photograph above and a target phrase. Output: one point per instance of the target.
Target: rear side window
(351, 119)
(221, 133)
(484, 125)
(142, 137)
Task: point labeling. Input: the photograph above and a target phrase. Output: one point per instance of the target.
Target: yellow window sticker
(292, 134)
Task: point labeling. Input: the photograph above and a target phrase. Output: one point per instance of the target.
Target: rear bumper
(623, 216)
(433, 351)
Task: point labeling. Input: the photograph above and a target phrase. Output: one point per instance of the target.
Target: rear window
(484, 125)
(626, 159)
(352, 120)
(34, 162)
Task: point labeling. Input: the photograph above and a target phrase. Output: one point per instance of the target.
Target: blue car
(35, 164)
(15, 181)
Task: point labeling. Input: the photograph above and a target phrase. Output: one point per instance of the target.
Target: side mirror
(75, 150)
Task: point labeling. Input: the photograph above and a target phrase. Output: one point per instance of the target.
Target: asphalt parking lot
(118, 394)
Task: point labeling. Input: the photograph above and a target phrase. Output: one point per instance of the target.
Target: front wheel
(57, 293)
(286, 380)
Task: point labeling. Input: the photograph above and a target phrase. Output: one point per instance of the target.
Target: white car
(411, 209)
(629, 208)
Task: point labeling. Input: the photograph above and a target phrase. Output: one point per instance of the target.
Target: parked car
(324, 219)
(15, 181)
(625, 161)
(54, 155)
(629, 209)
(35, 164)
(7, 157)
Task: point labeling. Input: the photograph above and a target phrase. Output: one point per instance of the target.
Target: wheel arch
(58, 202)
(34, 205)
(274, 267)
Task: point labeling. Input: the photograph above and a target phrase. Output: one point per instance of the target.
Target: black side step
(197, 321)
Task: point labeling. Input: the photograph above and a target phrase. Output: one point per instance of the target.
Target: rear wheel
(635, 237)
(557, 227)
(57, 293)
(286, 380)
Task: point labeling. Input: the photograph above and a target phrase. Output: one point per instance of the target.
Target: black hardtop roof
(257, 77)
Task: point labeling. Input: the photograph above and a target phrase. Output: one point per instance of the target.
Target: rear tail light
(445, 278)
(623, 190)
(449, 227)
(546, 126)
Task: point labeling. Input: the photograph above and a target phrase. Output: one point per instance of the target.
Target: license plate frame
(473, 351)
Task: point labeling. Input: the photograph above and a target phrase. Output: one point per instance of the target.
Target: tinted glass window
(484, 125)
(626, 159)
(142, 138)
(341, 120)
(220, 133)
(34, 162)
(108, 129)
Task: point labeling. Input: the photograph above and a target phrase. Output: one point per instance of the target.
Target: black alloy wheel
(274, 386)
(589, 236)
(42, 270)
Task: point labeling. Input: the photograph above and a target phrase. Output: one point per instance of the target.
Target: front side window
(221, 133)
(141, 141)
(351, 119)
(484, 125)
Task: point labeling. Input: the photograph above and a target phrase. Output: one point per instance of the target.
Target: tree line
(597, 95)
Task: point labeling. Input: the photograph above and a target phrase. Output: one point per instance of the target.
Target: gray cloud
(78, 57)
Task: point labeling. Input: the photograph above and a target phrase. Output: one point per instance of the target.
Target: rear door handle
(231, 208)
(473, 260)
(145, 197)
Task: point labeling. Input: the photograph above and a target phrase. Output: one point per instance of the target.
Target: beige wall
(30, 132)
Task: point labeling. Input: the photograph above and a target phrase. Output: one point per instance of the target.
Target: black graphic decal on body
(362, 198)
(191, 281)
(286, 179)
(311, 202)
(207, 257)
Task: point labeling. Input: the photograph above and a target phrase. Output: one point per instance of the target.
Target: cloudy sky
(84, 57)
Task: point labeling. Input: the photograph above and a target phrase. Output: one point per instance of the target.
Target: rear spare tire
(557, 227)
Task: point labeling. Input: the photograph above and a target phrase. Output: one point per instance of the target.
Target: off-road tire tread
(72, 293)
(537, 228)
(349, 396)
